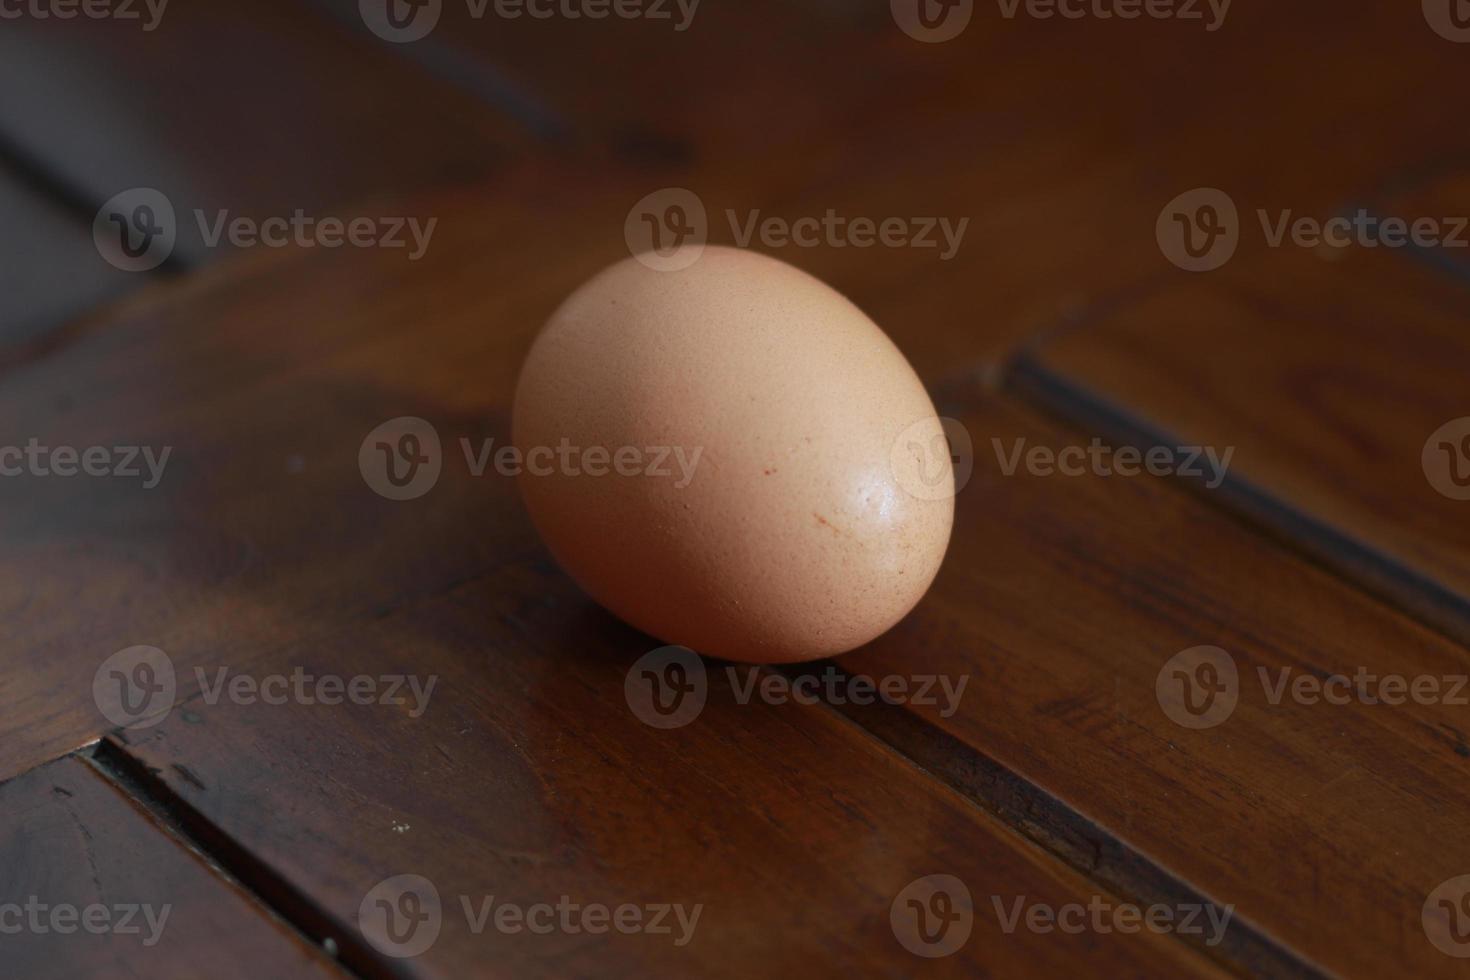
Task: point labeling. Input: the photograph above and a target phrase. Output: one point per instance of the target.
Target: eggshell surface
(755, 472)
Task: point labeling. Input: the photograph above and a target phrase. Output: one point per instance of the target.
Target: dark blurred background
(1058, 137)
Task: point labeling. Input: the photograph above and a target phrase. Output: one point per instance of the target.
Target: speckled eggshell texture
(783, 506)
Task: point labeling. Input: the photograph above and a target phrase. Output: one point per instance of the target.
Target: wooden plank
(1065, 179)
(50, 272)
(622, 72)
(1065, 600)
(525, 775)
(231, 552)
(92, 887)
(283, 574)
(226, 107)
(1333, 380)
(768, 109)
(670, 82)
(1441, 194)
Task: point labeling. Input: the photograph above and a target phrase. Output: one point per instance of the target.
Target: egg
(732, 457)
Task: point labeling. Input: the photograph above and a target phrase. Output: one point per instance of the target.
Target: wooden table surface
(1199, 721)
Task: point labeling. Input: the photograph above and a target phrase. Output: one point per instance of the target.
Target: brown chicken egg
(732, 457)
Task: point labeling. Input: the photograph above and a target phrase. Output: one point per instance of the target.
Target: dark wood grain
(253, 553)
(1059, 141)
(1325, 826)
(262, 524)
(526, 776)
(256, 110)
(1442, 193)
(263, 380)
(92, 887)
(1063, 600)
(1329, 378)
(50, 272)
